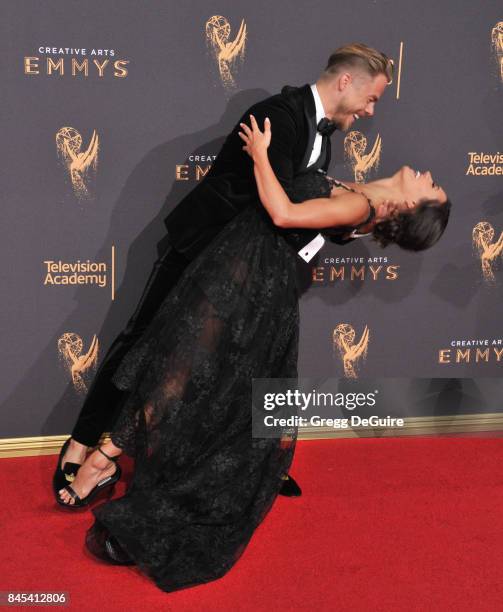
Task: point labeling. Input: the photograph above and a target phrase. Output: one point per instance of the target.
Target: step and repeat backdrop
(112, 112)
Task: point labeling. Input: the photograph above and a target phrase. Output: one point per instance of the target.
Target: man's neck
(324, 97)
(319, 105)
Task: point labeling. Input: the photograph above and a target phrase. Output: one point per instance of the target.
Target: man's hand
(389, 208)
(256, 142)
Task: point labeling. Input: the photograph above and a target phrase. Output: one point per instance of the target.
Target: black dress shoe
(65, 476)
(105, 546)
(290, 488)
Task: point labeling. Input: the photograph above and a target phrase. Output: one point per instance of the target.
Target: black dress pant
(104, 401)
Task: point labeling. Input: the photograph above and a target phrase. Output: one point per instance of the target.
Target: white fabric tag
(310, 250)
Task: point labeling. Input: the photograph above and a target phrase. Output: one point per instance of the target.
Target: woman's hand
(256, 142)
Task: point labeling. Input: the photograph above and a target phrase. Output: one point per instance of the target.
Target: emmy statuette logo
(355, 145)
(487, 250)
(228, 53)
(351, 353)
(497, 45)
(77, 161)
(70, 350)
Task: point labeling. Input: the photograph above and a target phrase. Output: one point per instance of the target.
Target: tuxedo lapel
(304, 101)
(309, 111)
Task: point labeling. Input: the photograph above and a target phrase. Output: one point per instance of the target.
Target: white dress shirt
(320, 113)
(310, 250)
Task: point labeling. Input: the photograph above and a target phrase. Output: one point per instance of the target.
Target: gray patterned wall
(92, 164)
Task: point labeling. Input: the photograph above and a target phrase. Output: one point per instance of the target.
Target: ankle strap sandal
(109, 481)
(108, 456)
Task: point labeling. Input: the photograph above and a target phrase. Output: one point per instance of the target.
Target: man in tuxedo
(302, 120)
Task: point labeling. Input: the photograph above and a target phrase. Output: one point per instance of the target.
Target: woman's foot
(94, 469)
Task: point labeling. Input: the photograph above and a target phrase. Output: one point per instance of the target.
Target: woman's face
(418, 186)
(408, 189)
(413, 186)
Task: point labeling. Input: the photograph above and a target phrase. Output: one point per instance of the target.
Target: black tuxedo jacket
(230, 185)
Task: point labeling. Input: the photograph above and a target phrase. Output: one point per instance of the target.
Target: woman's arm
(318, 213)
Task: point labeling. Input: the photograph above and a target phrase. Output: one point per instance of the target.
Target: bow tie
(326, 127)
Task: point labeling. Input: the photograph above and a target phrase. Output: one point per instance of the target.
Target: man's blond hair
(359, 56)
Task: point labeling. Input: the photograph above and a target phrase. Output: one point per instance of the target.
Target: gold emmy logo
(355, 145)
(77, 162)
(227, 52)
(487, 250)
(343, 339)
(497, 44)
(70, 348)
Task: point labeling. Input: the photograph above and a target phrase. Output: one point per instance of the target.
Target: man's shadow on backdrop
(145, 188)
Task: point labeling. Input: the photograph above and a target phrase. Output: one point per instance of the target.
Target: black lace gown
(201, 483)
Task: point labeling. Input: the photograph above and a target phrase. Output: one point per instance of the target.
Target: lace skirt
(202, 483)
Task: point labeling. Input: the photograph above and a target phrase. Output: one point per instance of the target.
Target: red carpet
(383, 525)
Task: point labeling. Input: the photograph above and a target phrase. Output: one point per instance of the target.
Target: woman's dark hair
(414, 230)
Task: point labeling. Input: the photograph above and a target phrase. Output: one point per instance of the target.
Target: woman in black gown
(201, 483)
